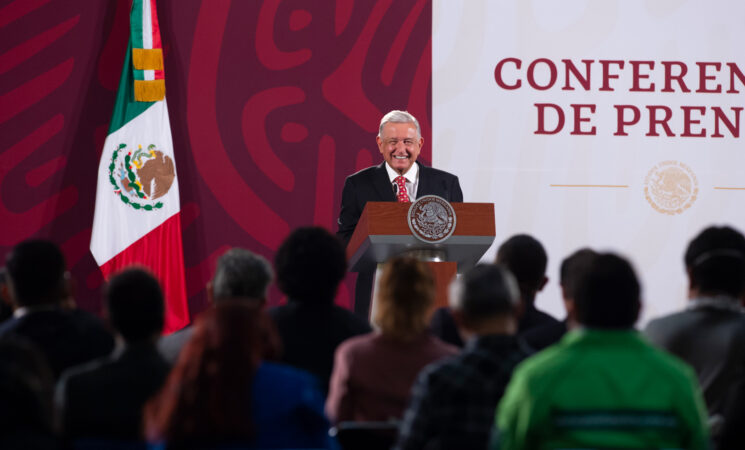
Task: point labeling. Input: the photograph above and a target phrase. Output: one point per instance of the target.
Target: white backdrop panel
(572, 190)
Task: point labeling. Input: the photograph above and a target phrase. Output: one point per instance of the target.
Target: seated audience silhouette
(603, 385)
(570, 272)
(373, 373)
(310, 264)
(26, 385)
(6, 309)
(733, 429)
(38, 288)
(526, 258)
(104, 398)
(222, 394)
(240, 274)
(710, 333)
(453, 400)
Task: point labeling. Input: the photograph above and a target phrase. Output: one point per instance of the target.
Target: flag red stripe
(161, 252)
(154, 24)
(158, 75)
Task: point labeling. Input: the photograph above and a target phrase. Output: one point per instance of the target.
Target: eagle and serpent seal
(671, 187)
(141, 177)
(431, 219)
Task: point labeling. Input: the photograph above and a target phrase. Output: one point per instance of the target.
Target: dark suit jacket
(311, 332)
(442, 324)
(170, 346)
(712, 341)
(542, 336)
(67, 338)
(104, 398)
(536, 328)
(533, 318)
(372, 185)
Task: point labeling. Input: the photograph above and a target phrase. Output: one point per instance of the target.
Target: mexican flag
(137, 218)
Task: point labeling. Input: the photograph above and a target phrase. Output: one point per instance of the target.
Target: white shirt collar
(410, 175)
(720, 302)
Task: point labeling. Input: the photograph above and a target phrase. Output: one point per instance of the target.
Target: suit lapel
(383, 184)
(424, 182)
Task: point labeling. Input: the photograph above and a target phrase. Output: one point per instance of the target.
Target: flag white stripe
(147, 25)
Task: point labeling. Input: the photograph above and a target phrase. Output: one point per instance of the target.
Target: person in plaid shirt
(453, 401)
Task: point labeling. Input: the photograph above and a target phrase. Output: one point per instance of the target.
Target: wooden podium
(383, 232)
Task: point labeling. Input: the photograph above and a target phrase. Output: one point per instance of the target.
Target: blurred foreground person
(6, 308)
(603, 385)
(733, 430)
(39, 290)
(571, 270)
(240, 274)
(373, 373)
(222, 393)
(526, 259)
(453, 400)
(26, 385)
(104, 398)
(710, 333)
(310, 264)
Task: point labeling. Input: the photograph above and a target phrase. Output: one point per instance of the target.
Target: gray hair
(241, 273)
(486, 290)
(397, 116)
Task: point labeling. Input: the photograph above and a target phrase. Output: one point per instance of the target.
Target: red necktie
(402, 195)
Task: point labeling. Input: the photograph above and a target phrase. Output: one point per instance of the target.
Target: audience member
(603, 385)
(6, 309)
(732, 435)
(38, 288)
(526, 258)
(240, 274)
(570, 272)
(221, 391)
(26, 383)
(310, 264)
(373, 373)
(710, 333)
(453, 400)
(104, 398)
(597, 383)
(442, 324)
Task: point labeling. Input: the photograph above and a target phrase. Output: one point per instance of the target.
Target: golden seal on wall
(431, 219)
(671, 187)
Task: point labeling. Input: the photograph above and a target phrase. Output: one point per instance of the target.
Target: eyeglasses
(393, 142)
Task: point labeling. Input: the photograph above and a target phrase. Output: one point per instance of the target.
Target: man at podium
(399, 178)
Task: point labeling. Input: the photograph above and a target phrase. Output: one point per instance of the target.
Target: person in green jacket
(603, 385)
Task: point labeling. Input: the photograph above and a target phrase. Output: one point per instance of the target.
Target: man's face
(399, 145)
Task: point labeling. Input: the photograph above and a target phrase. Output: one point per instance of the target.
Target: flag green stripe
(135, 24)
(126, 108)
(135, 33)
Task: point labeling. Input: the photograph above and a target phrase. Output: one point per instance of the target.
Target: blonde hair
(405, 297)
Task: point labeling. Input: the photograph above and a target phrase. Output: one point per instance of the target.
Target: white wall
(486, 134)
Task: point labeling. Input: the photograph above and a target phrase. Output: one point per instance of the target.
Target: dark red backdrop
(273, 103)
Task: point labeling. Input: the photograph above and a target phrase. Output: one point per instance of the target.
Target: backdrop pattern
(272, 103)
